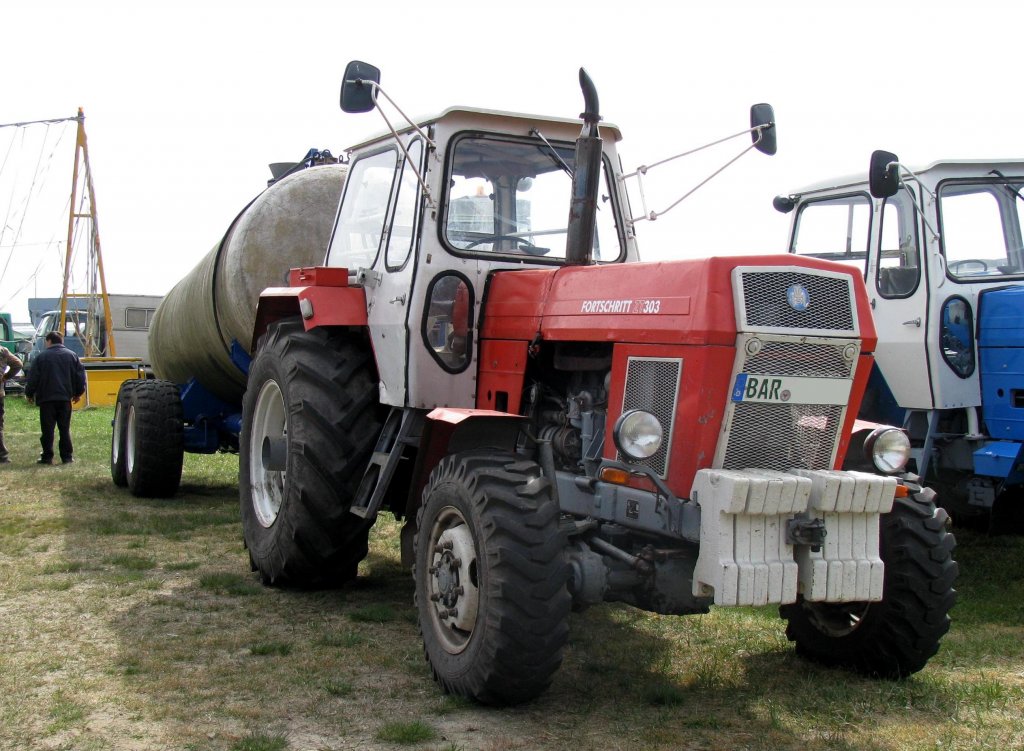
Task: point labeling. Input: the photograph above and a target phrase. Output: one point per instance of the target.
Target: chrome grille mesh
(782, 436)
(652, 384)
(766, 306)
(792, 358)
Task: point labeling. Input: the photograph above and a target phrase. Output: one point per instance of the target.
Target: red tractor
(559, 424)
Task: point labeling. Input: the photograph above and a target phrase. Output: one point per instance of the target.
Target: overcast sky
(187, 103)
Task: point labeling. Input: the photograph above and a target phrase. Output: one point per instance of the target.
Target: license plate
(790, 389)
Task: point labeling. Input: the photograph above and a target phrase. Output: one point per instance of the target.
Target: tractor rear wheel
(490, 577)
(154, 445)
(118, 472)
(895, 637)
(311, 418)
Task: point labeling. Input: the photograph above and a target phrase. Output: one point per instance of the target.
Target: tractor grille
(765, 301)
(786, 436)
(652, 384)
(800, 358)
(783, 436)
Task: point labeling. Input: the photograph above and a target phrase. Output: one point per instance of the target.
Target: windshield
(512, 198)
(981, 228)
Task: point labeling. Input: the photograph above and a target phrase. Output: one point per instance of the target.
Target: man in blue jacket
(55, 379)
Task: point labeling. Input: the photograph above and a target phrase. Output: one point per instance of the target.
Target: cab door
(389, 292)
(375, 238)
(898, 287)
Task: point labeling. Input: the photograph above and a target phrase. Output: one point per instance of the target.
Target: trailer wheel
(491, 581)
(154, 446)
(118, 471)
(311, 418)
(895, 637)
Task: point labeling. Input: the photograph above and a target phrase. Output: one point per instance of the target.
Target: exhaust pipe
(586, 180)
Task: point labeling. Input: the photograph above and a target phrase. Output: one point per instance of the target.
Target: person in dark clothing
(55, 380)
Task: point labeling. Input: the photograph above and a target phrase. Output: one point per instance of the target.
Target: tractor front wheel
(895, 637)
(490, 577)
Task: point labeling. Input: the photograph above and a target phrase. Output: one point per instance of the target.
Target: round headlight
(638, 434)
(889, 449)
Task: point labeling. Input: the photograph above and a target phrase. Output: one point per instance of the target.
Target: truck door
(898, 290)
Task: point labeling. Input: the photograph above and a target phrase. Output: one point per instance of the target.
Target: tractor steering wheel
(955, 266)
(526, 245)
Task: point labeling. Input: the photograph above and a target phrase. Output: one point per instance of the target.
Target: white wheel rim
(118, 436)
(269, 420)
(129, 442)
(452, 580)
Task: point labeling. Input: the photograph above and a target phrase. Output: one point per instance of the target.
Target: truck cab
(83, 333)
(942, 255)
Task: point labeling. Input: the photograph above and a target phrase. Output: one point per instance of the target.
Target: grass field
(130, 624)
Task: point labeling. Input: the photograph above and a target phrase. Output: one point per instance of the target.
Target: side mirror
(884, 174)
(359, 88)
(764, 139)
(783, 204)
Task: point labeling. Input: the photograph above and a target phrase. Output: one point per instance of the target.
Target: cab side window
(899, 257)
(364, 208)
(448, 321)
(836, 229)
(403, 224)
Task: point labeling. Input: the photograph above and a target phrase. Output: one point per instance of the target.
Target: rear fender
(320, 295)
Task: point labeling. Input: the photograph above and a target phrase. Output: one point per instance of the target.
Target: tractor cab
(495, 189)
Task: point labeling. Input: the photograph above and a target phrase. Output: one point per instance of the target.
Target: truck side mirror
(359, 87)
(762, 116)
(884, 174)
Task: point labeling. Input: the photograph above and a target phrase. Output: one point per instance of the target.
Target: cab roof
(954, 165)
(500, 122)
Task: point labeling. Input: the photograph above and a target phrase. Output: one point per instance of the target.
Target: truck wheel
(895, 637)
(311, 418)
(118, 472)
(491, 581)
(154, 446)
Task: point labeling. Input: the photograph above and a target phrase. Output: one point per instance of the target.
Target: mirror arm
(405, 117)
(899, 167)
(430, 143)
(913, 176)
(643, 168)
(652, 215)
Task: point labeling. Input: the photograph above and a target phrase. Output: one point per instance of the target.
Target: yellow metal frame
(82, 156)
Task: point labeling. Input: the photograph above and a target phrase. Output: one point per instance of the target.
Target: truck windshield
(512, 198)
(981, 228)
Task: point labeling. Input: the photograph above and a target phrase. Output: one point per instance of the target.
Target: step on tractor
(941, 250)
(481, 353)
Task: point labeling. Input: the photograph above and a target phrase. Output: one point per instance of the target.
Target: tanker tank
(286, 226)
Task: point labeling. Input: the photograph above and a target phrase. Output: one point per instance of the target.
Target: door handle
(400, 300)
(915, 322)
